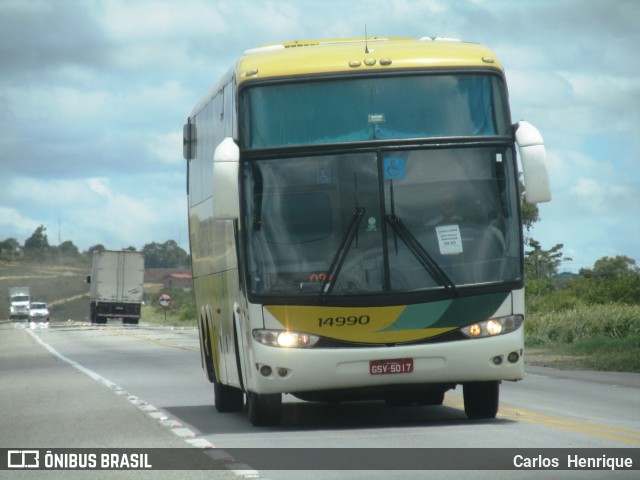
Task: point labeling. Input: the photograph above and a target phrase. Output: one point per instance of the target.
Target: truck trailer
(117, 281)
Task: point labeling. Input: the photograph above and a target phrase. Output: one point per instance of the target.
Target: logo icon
(23, 459)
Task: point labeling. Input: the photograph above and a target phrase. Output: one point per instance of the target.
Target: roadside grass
(609, 354)
(594, 337)
(172, 317)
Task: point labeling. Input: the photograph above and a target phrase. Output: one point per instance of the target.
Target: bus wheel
(227, 399)
(481, 399)
(264, 410)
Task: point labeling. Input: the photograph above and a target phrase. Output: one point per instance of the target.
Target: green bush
(555, 301)
(625, 289)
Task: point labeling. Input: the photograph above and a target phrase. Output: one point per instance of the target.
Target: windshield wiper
(341, 254)
(425, 259)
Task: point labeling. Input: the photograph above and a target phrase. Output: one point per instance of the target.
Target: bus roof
(357, 54)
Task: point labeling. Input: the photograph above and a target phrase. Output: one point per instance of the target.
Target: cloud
(40, 36)
(14, 224)
(129, 217)
(609, 202)
(591, 193)
(29, 192)
(93, 96)
(166, 147)
(99, 186)
(164, 20)
(604, 99)
(537, 88)
(111, 211)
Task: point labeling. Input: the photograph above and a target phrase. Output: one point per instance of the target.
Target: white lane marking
(176, 427)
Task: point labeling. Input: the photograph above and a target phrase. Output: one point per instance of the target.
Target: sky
(94, 94)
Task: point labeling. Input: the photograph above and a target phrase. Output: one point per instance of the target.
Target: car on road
(38, 312)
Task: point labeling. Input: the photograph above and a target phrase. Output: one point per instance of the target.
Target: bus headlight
(493, 327)
(285, 338)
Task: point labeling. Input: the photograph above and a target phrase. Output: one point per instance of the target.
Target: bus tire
(264, 410)
(481, 399)
(227, 399)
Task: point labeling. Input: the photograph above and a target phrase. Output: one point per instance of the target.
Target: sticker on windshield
(372, 225)
(324, 176)
(395, 168)
(449, 239)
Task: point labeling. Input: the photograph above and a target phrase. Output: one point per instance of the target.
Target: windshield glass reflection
(367, 223)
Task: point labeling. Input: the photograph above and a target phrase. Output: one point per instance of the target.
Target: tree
(165, 255)
(176, 256)
(38, 243)
(611, 280)
(530, 212)
(530, 215)
(620, 266)
(10, 245)
(98, 247)
(539, 263)
(68, 248)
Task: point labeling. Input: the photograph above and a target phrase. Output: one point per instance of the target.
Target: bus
(355, 225)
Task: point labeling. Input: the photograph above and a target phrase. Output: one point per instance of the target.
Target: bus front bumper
(281, 370)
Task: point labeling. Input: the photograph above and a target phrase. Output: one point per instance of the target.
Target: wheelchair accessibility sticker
(395, 168)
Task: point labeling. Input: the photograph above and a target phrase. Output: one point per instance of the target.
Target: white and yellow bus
(355, 225)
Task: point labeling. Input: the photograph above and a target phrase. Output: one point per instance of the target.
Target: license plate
(388, 367)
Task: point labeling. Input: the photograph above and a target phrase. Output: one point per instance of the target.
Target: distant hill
(64, 288)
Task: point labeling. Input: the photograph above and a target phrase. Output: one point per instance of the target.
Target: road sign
(165, 300)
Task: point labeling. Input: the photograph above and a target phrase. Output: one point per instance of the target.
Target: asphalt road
(77, 385)
(51, 402)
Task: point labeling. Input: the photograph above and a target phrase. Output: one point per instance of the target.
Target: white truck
(19, 301)
(117, 282)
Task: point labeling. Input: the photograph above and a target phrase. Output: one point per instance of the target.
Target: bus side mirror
(188, 152)
(225, 198)
(534, 163)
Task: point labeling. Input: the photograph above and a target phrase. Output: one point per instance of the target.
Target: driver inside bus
(449, 211)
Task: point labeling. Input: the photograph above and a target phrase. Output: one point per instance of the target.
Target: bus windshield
(387, 221)
(383, 108)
